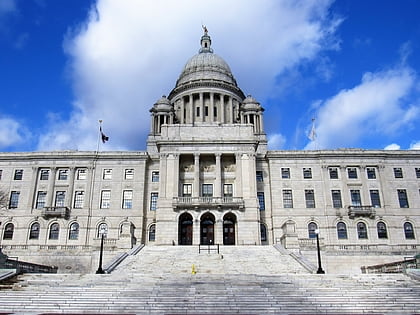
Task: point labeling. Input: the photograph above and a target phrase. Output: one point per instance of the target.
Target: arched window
(341, 230)
(8, 231)
(382, 232)
(34, 231)
(263, 231)
(54, 231)
(361, 230)
(312, 227)
(409, 231)
(102, 229)
(74, 231)
(152, 233)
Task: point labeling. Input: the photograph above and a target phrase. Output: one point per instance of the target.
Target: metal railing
(26, 267)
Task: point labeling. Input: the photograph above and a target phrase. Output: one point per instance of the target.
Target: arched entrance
(207, 229)
(185, 229)
(229, 222)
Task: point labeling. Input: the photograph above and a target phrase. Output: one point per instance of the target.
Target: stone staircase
(159, 281)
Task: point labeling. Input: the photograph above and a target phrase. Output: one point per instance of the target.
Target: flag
(312, 133)
(103, 136)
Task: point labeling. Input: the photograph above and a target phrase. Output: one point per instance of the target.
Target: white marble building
(208, 178)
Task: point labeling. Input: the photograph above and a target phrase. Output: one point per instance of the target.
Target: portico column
(192, 109)
(231, 110)
(35, 176)
(222, 108)
(201, 107)
(71, 187)
(51, 184)
(196, 187)
(162, 174)
(218, 184)
(181, 114)
(176, 175)
(211, 109)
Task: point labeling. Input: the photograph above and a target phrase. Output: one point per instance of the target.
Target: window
(63, 174)
(263, 232)
(8, 231)
(287, 198)
(215, 111)
(207, 190)
(402, 198)
(74, 231)
(79, 197)
(1, 173)
(107, 174)
(375, 199)
(129, 174)
(371, 173)
(333, 172)
(105, 199)
(398, 173)
(41, 198)
(409, 231)
(361, 230)
(336, 198)
(206, 111)
(381, 227)
(54, 231)
(127, 199)
(18, 175)
(155, 176)
(285, 172)
(261, 201)
(355, 198)
(307, 173)
(186, 190)
(34, 231)
(352, 173)
(102, 230)
(153, 201)
(81, 174)
(312, 227)
(152, 233)
(417, 172)
(45, 174)
(341, 231)
(198, 111)
(228, 190)
(260, 177)
(60, 197)
(14, 199)
(310, 198)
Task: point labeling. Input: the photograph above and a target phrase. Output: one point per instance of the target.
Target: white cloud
(415, 146)
(131, 52)
(11, 132)
(375, 107)
(392, 146)
(276, 141)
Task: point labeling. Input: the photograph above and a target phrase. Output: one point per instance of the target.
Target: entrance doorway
(185, 229)
(207, 229)
(229, 222)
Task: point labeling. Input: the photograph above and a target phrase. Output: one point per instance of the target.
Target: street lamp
(319, 271)
(102, 232)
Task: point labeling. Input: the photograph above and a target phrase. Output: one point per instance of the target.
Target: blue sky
(353, 65)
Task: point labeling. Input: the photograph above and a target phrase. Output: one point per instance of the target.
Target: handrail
(394, 267)
(209, 248)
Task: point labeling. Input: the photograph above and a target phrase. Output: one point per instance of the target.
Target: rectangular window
(375, 199)
(79, 197)
(186, 190)
(287, 198)
(207, 190)
(417, 172)
(81, 174)
(285, 172)
(228, 190)
(206, 111)
(261, 200)
(60, 197)
(41, 199)
(105, 199)
(127, 199)
(371, 173)
(198, 111)
(355, 198)
(153, 201)
(215, 111)
(129, 173)
(155, 176)
(352, 173)
(14, 199)
(402, 198)
(310, 198)
(260, 177)
(333, 172)
(307, 173)
(336, 199)
(18, 175)
(107, 173)
(63, 174)
(45, 174)
(398, 173)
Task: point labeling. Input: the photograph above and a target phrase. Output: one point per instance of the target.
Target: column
(201, 107)
(231, 110)
(69, 196)
(211, 107)
(162, 175)
(238, 175)
(51, 185)
(181, 115)
(261, 123)
(32, 191)
(196, 185)
(152, 124)
(192, 109)
(218, 184)
(222, 108)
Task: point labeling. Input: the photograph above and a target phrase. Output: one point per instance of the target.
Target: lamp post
(103, 233)
(319, 271)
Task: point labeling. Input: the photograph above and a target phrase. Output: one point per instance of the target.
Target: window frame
(187, 190)
(352, 173)
(153, 201)
(127, 199)
(342, 231)
(44, 174)
(333, 172)
(81, 174)
(355, 202)
(63, 174)
(307, 173)
(155, 177)
(312, 227)
(370, 172)
(285, 173)
(54, 234)
(34, 230)
(382, 230)
(14, 199)
(60, 198)
(403, 198)
(41, 199)
(105, 199)
(409, 231)
(228, 190)
(74, 229)
(337, 203)
(107, 174)
(398, 172)
(310, 198)
(18, 174)
(79, 199)
(261, 200)
(129, 173)
(362, 231)
(259, 175)
(9, 230)
(375, 198)
(206, 190)
(287, 202)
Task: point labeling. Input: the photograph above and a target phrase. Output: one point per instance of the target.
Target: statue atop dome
(204, 29)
